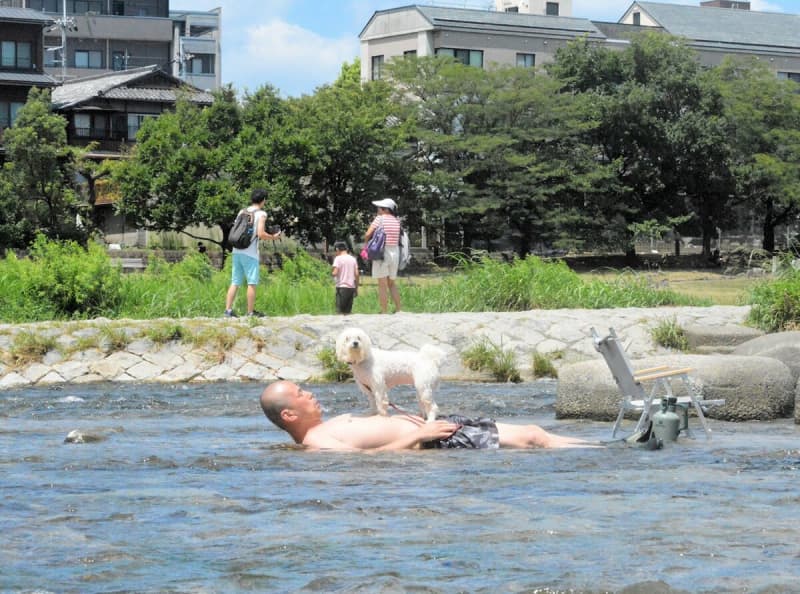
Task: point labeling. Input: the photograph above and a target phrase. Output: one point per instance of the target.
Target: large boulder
(797, 403)
(703, 338)
(783, 346)
(754, 388)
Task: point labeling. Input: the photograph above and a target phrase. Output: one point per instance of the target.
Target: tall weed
(776, 303)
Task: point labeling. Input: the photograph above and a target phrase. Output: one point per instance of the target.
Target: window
(84, 6)
(526, 60)
(15, 54)
(118, 8)
(135, 121)
(44, 5)
(83, 124)
(8, 113)
(201, 64)
(637, 18)
(89, 125)
(465, 56)
(512, 9)
(795, 76)
(551, 8)
(119, 61)
(377, 67)
(410, 54)
(88, 59)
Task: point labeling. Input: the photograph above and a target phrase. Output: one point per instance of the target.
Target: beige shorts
(388, 266)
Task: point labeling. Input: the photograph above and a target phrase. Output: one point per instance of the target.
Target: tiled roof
(155, 95)
(726, 25)
(27, 78)
(114, 85)
(24, 15)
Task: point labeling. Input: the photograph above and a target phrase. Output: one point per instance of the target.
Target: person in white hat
(386, 270)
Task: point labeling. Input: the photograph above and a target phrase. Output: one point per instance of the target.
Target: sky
(298, 45)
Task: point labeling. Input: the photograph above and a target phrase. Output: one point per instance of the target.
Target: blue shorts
(244, 267)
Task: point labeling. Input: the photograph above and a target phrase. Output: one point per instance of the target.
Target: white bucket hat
(385, 203)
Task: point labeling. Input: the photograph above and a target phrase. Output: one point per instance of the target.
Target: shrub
(669, 334)
(193, 266)
(164, 332)
(484, 355)
(77, 282)
(335, 370)
(776, 303)
(115, 339)
(29, 347)
(542, 366)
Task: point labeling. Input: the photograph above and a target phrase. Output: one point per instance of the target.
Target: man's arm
(261, 231)
(425, 432)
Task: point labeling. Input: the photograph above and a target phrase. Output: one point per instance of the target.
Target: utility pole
(64, 24)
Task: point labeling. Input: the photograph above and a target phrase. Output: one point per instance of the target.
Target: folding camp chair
(634, 395)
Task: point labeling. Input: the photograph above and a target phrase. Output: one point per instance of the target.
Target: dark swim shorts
(479, 434)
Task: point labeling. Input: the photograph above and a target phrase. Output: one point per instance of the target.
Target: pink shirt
(391, 226)
(346, 268)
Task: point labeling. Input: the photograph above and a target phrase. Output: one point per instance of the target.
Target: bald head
(275, 399)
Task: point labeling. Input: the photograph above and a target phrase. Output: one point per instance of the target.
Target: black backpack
(241, 235)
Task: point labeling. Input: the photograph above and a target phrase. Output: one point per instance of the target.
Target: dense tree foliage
(500, 152)
(763, 137)
(37, 183)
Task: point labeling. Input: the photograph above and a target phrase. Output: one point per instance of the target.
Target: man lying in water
(297, 412)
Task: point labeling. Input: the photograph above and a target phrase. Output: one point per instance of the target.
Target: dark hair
(258, 195)
(339, 246)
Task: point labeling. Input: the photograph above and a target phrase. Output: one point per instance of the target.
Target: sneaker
(229, 314)
(256, 314)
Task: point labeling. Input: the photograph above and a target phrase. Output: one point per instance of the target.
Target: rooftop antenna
(64, 24)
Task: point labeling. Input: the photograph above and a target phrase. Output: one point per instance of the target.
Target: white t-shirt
(252, 249)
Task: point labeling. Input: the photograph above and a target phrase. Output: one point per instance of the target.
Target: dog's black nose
(355, 344)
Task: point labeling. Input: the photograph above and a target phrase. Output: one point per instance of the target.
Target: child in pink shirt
(345, 271)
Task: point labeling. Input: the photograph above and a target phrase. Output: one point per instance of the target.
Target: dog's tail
(434, 354)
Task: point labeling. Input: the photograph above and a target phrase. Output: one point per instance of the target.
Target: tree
(660, 124)
(500, 151)
(763, 127)
(177, 176)
(39, 174)
(353, 142)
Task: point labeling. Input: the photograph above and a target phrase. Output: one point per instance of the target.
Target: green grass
(30, 347)
(193, 288)
(669, 334)
(485, 355)
(776, 304)
(542, 366)
(710, 286)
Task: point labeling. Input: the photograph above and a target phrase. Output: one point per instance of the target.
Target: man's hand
(436, 430)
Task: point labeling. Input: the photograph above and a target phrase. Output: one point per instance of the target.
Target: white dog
(376, 371)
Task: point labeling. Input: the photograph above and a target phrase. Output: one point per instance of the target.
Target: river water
(190, 489)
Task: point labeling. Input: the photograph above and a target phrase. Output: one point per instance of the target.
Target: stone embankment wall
(205, 349)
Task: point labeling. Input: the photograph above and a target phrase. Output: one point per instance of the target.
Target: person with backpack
(246, 262)
(385, 269)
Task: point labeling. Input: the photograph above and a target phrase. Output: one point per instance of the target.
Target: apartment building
(20, 60)
(90, 37)
(475, 37)
(527, 33)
